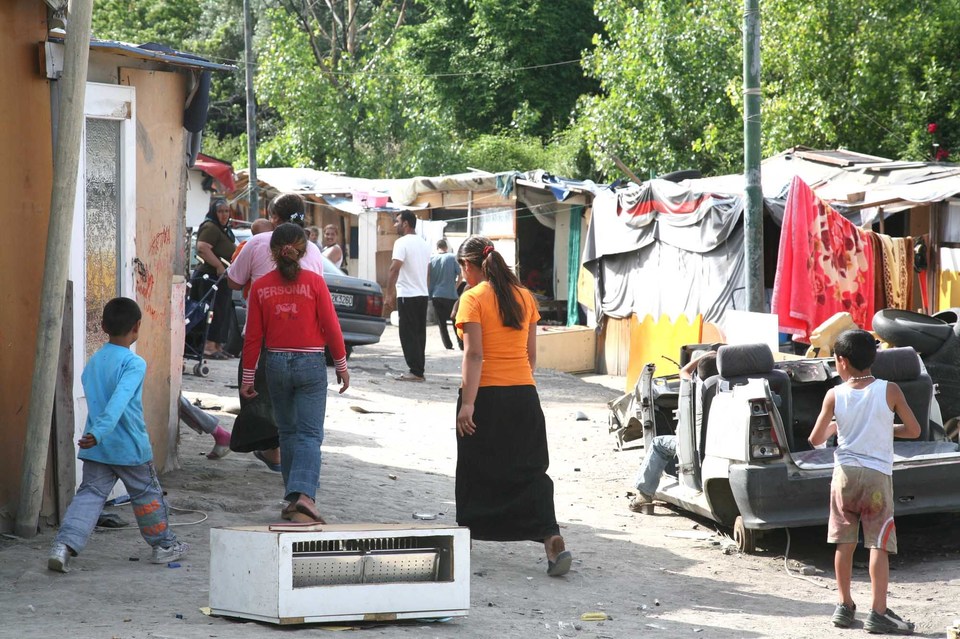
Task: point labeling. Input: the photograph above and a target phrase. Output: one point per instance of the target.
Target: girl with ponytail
(292, 320)
(503, 491)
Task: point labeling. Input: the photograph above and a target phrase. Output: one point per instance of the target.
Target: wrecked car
(743, 459)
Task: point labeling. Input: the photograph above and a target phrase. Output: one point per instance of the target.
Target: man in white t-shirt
(408, 285)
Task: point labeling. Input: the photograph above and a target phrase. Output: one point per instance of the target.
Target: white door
(104, 220)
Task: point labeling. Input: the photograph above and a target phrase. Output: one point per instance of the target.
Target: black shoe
(889, 623)
(844, 615)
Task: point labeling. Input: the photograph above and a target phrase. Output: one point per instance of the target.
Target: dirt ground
(665, 575)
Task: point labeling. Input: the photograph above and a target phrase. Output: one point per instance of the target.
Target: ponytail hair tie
(487, 250)
(297, 217)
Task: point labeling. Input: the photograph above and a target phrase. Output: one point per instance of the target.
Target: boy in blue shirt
(115, 445)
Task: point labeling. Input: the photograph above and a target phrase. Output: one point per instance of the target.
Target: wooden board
(26, 164)
(64, 450)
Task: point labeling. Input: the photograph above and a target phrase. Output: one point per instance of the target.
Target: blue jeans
(146, 497)
(298, 389)
(664, 449)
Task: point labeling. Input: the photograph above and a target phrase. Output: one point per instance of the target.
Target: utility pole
(753, 200)
(66, 165)
(254, 199)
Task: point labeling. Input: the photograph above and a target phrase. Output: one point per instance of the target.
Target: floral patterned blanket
(825, 266)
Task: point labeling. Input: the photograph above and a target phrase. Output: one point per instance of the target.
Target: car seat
(902, 367)
(739, 363)
(705, 391)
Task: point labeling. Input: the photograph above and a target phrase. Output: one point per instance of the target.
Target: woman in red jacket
(292, 320)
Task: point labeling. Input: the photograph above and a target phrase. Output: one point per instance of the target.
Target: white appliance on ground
(307, 573)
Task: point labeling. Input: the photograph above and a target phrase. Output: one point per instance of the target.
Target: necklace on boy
(857, 379)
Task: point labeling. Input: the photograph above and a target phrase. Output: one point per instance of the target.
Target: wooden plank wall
(26, 163)
(161, 180)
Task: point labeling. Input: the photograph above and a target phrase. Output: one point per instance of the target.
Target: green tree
(502, 65)
(169, 22)
(868, 75)
(362, 109)
(668, 72)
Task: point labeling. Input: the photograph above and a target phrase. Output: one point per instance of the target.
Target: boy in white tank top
(862, 488)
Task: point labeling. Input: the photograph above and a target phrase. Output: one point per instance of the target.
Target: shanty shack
(144, 111)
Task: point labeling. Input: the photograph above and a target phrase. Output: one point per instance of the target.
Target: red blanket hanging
(825, 266)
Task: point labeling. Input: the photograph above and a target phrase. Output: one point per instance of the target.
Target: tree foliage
(868, 75)
(400, 87)
(504, 65)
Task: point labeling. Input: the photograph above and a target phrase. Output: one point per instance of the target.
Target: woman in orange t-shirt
(502, 488)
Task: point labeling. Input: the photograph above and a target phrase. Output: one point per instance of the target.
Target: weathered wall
(26, 163)
(161, 176)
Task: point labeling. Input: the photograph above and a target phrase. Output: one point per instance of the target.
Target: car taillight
(763, 436)
(374, 305)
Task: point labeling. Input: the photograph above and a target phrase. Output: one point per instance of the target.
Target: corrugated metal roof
(174, 58)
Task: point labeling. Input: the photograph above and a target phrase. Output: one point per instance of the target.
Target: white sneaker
(59, 557)
(163, 555)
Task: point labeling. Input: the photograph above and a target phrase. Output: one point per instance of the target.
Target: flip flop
(274, 467)
(215, 355)
(560, 565)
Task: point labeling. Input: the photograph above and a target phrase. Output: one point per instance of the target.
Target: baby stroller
(197, 316)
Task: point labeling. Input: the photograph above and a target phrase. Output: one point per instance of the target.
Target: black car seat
(739, 363)
(902, 367)
(705, 390)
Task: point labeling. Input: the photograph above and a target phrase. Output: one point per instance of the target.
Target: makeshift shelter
(534, 220)
(670, 251)
(126, 237)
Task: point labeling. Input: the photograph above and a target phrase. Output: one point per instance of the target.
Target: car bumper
(768, 497)
(782, 498)
(359, 330)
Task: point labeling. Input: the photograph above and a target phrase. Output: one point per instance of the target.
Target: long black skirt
(502, 488)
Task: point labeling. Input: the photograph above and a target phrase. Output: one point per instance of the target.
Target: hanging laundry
(879, 291)
(825, 266)
(897, 259)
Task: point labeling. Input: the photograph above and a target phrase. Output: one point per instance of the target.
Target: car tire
(905, 328)
(329, 357)
(745, 537)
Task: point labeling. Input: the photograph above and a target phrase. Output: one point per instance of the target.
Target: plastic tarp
(219, 170)
(662, 249)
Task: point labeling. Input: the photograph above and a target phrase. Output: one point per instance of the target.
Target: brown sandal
(303, 507)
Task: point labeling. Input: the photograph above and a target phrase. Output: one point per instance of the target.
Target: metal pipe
(252, 184)
(753, 200)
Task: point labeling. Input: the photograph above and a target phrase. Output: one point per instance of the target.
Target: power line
(446, 74)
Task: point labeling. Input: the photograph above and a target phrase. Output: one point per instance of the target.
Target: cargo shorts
(862, 496)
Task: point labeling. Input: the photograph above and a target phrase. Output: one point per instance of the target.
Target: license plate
(341, 299)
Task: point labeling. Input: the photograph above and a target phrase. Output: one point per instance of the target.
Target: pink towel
(825, 266)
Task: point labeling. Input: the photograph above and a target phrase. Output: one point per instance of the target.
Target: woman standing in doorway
(292, 315)
(502, 488)
(331, 247)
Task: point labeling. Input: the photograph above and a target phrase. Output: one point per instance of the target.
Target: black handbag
(255, 428)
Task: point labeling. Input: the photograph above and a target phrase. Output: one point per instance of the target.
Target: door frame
(107, 102)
